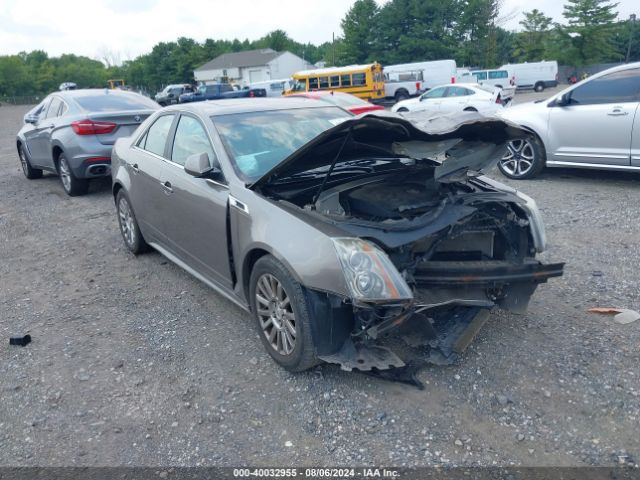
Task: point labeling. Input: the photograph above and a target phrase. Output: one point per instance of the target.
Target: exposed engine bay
(463, 243)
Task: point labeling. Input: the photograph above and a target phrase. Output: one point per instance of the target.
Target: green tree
(590, 25)
(359, 27)
(531, 43)
(477, 32)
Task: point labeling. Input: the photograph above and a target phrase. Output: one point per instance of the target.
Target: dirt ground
(134, 362)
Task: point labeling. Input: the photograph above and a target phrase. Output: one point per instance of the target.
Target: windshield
(258, 141)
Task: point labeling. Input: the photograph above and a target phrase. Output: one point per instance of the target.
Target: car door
(195, 219)
(145, 165)
(39, 141)
(595, 124)
(455, 99)
(431, 101)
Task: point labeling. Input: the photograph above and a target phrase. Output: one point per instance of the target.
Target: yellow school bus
(116, 83)
(364, 81)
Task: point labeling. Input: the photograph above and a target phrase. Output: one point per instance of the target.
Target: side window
(324, 82)
(313, 84)
(63, 109)
(434, 93)
(359, 79)
(457, 92)
(617, 87)
(497, 74)
(54, 108)
(479, 75)
(156, 136)
(191, 138)
(345, 80)
(334, 81)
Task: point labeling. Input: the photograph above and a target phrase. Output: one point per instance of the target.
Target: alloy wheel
(127, 223)
(65, 174)
(23, 161)
(275, 313)
(519, 159)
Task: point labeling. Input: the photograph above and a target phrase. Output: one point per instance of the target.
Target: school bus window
(313, 84)
(334, 81)
(359, 79)
(377, 77)
(346, 80)
(324, 82)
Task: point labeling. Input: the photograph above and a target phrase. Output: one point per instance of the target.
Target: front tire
(73, 185)
(539, 87)
(131, 234)
(524, 159)
(280, 310)
(402, 110)
(29, 172)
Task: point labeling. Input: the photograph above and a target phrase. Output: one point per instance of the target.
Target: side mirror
(198, 165)
(31, 119)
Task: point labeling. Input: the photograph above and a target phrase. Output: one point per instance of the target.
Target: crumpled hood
(411, 135)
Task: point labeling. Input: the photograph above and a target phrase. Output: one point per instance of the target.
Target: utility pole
(333, 48)
(632, 21)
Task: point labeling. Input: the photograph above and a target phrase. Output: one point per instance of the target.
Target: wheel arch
(255, 253)
(539, 139)
(56, 150)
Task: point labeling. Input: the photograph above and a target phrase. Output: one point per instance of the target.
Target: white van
(274, 88)
(499, 77)
(409, 79)
(536, 75)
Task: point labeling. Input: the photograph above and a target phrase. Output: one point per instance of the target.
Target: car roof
(85, 92)
(246, 105)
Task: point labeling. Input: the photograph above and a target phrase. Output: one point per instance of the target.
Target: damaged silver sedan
(370, 242)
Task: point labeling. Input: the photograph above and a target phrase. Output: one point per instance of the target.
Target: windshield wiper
(333, 164)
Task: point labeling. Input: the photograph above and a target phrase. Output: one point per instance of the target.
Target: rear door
(431, 101)
(195, 220)
(145, 165)
(596, 126)
(39, 141)
(455, 99)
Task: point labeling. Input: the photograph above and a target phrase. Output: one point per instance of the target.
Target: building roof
(248, 58)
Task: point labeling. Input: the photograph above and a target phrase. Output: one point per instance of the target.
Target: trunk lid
(127, 121)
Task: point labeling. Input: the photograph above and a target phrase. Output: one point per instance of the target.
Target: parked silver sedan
(592, 124)
(334, 231)
(71, 133)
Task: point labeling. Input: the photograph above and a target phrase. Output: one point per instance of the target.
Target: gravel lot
(134, 362)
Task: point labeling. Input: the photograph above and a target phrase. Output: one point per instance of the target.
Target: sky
(124, 29)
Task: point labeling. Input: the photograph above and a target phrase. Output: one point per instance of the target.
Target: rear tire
(470, 109)
(539, 87)
(73, 185)
(401, 95)
(281, 315)
(524, 159)
(29, 172)
(403, 109)
(131, 234)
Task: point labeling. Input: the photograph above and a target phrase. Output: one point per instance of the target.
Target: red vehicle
(346, 101)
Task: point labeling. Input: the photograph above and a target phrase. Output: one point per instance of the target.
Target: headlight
(535, 220)
(369, 273)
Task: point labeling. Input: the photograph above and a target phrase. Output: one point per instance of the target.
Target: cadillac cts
(362, 241)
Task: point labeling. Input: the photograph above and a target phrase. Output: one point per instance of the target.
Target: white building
(251, 66)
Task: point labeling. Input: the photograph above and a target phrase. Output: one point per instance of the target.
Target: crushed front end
(430, 245)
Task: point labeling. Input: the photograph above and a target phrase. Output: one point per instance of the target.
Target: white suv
(588, 125)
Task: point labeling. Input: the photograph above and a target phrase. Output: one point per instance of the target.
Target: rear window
(345, 100)
(112, 102)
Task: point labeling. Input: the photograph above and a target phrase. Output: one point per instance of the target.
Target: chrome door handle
(617, 113)
(167, 187)
(135, 168)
